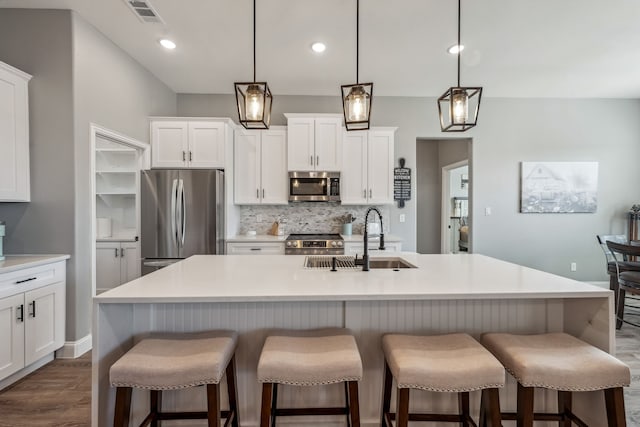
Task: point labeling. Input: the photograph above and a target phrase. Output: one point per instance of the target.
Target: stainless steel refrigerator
(181, 214)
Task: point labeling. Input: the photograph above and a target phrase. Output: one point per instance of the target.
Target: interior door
(201, 211)
(158, 213)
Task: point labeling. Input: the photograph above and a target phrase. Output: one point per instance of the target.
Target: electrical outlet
(402, 218)
(574, 266)
(258, 218)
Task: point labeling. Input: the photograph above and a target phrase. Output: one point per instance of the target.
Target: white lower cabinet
(32, 323)
(257, 248)
(353, 248)
(116, 263)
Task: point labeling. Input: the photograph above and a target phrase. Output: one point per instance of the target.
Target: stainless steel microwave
(314, 186)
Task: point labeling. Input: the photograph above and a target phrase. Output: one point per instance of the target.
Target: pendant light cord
(357, 39)
(459, 49)
(254, 44)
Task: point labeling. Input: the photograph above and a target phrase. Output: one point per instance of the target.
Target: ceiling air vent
(144, 11)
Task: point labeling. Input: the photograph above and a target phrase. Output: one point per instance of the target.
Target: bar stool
(309, 358)
(173, 362)
(558, 361)
(454, 363)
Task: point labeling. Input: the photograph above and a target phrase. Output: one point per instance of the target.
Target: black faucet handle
(382, 248)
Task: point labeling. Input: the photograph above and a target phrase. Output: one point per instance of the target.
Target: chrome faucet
(365, 256)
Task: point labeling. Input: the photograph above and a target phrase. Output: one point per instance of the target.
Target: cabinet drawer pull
(256, 249)
(20, 309)
(26, 280)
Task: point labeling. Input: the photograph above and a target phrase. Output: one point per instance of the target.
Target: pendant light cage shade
(356, 105)
(458, 108)
(254, 101)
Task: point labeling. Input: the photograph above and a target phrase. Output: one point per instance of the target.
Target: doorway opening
(443, 190)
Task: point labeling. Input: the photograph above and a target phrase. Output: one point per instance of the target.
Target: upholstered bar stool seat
(559, 361)
(173, 362)
(454, 363)
(309, 358)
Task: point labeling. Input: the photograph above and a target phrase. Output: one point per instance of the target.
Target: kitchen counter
(258, 238)
(19, 262)
(447, 293)
(359, 238)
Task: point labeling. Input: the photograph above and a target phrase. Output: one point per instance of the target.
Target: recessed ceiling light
(454, 49)
(318, 47)
(168, 44)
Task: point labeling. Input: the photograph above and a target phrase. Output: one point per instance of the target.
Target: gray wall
(79, 77)
(510, 131)
(116, 92)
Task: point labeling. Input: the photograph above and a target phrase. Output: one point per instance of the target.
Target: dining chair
(628, 276)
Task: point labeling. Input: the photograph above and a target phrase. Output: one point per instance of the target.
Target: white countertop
(19, 262)
(241, 278)
(359, 238)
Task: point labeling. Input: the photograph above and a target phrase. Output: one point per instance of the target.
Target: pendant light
(356, 98)
(254, 98)
(458, 107)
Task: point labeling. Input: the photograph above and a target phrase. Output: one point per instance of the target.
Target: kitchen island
(254, 295)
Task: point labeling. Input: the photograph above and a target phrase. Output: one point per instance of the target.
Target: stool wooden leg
(123, 407)
(265, 411)
(346, 397)
(525, 406)
(155, 405)
(354, 405)
(232, 391)
(490, 415)
(386, 397)
(402, 407)
(463, 408)
(213, 405)
(614, 400)
(564, 408)
(274, 405)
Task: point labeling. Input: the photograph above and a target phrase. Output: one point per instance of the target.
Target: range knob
(334, 243)
(288, 244)
(339, 243)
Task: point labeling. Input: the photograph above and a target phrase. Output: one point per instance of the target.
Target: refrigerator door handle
(174, 219)
(183, 212)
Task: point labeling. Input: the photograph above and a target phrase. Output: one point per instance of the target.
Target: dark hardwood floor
(59, 394)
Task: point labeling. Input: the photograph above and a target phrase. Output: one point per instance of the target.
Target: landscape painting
(559, 187)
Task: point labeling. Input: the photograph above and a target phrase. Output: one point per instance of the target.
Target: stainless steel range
(314, 244)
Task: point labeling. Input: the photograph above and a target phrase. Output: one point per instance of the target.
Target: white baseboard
(73, 349)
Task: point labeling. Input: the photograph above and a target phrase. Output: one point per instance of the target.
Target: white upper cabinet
(260, 167)
(188, 143)
(314, 142)
(14, 135)
(367, 175)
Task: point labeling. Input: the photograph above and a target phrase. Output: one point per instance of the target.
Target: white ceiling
(514, 48)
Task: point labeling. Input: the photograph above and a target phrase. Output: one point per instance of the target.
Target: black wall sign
(401, 184)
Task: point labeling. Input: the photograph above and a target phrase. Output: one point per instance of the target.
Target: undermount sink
(393, 262)
(348, 262)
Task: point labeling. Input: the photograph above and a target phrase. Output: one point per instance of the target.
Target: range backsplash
(307, 218)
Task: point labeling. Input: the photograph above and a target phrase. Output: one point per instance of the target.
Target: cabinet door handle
(364, 193)
(33, 309)
(121, 252)
(311, 160)
(257, 193)
(20, 309)
(25, 280)
(263, 193)
(370, 193)
(190, 156)
(184, 156)
(317, 160)
(116, 252)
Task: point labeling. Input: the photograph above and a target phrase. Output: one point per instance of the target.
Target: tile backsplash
(307, 218)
